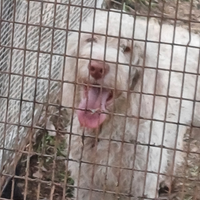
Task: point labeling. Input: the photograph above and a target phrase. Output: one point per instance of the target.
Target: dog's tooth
(93, 110)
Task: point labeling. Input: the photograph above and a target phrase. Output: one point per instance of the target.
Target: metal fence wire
(105, 110)
(33, 35)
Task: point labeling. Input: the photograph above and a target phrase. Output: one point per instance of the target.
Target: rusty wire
(32, 127)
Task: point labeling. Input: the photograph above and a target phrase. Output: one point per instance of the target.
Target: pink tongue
(94, 104)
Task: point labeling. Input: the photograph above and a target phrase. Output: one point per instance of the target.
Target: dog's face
(104, 62)
(103, 72)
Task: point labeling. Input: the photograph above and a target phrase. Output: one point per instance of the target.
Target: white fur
(123, 143)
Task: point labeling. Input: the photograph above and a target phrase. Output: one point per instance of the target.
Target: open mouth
(93, 106)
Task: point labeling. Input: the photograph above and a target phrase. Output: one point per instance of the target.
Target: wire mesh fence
(98, 104)
(31, 32)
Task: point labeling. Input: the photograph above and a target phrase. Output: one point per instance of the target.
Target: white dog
(130, 104)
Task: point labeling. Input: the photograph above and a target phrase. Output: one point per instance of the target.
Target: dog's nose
(98, 69)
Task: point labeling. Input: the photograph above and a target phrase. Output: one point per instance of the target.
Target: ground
(46, 167)
(168, 10)
(48, 172)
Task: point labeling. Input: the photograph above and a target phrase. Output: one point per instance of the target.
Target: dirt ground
(47, 163)
(47, 173)
(187, 12)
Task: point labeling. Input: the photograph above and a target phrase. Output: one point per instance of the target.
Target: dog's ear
(70, 73)
(135, 77)
(137, 60)
(72, 44)
(71, 56)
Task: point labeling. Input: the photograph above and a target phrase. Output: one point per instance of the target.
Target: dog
(131, 87)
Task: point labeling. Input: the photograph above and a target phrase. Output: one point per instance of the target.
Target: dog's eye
(125, 49)
(91, 40)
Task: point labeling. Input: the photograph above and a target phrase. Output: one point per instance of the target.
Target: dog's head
(103, 68)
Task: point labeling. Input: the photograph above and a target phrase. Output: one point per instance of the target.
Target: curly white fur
(126, 158)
